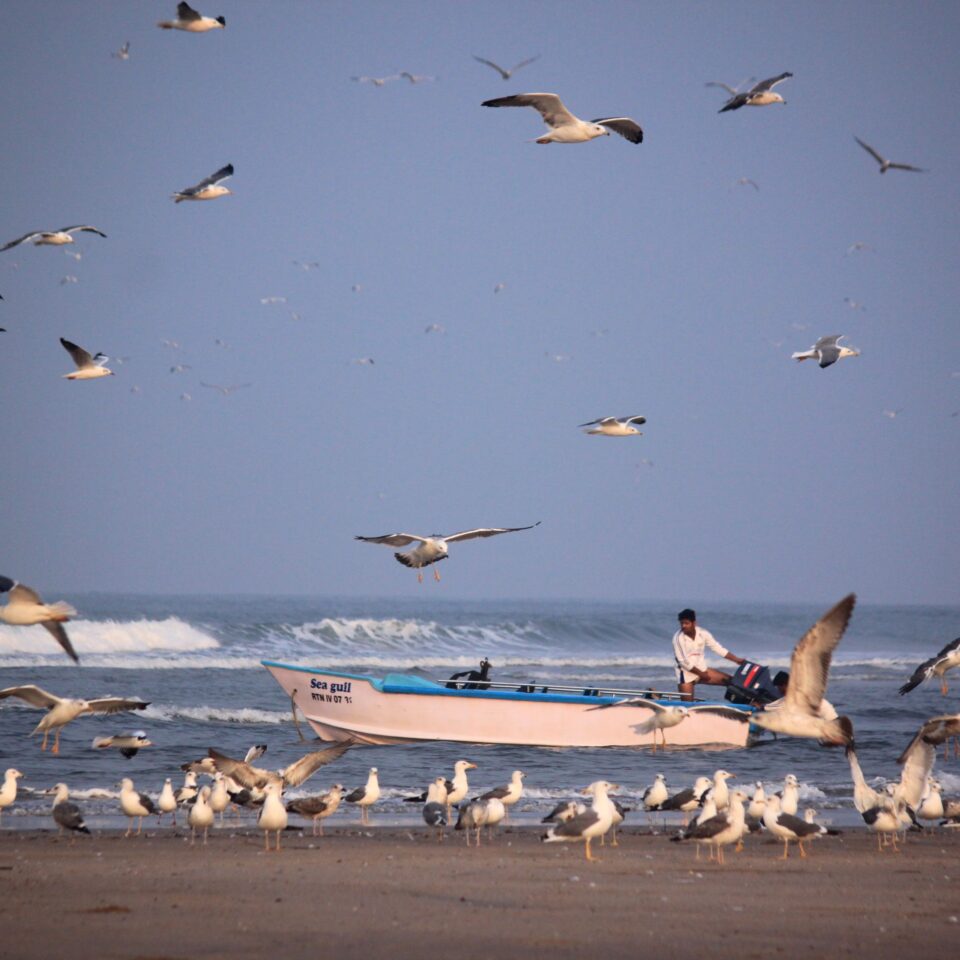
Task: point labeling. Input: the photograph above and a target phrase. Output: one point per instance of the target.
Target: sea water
(197, 660)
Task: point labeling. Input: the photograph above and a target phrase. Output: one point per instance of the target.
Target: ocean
(197, 660)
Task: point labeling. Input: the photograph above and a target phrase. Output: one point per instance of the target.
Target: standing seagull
(52, 238)
(273, 814)
(725, 827)
(25, 608)
(67, 815)
(509, 794)
(615, 426)
(595, 821)
(886, 164)
(8, 791)
(200, 816)
(946, 659)
(61, 710)
(435, 809)
(366, 796)
(134, 804)
(88, 367)
(506, 74)
(826, 351)
(253, 778)
(760, 95)
(434, 548)
(319, 808)
(564, 126)
(193, 22)
(787, 827)
(798, 714)
(209, 188)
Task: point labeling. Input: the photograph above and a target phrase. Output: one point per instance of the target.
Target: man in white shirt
(689, 643)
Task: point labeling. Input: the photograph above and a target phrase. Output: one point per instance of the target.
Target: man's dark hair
(687, 614)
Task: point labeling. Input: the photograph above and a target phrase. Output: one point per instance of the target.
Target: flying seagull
(946, 659)
(664, 717)
(377, 81)
(61, 710)
(886, 164)
(506, 74)
(293, 775)
(798, 714)
(759, 95)
(615, 426)
(123, 53)
(433, 548)
(826, 351)
(193, 22)
(208, 189)
(25, 608)
(225, 390)
(88, 367)
(564, 126)
(52, 238)
(127, 743)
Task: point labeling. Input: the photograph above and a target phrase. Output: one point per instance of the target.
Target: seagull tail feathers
(61, 610)
(840, 733)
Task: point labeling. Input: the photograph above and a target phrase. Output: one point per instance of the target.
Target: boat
(406, 708)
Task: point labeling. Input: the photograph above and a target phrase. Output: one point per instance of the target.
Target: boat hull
(402, 709)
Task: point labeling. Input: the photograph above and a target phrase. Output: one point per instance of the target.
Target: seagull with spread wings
(664, 717)
(886, 164)
(798, 714)
(208, 189)
(946, 659)
(25, 608)
(253, 778)
(564, 126)
(506, 73)
(192, 21)
(61, 710)
(759, 95)
(615, 426)
(52, 238)
(826, 351)
(433, 548)
(89, 367)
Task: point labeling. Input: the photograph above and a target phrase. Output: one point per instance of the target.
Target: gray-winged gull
(53, 238)
(787, 827)
(506, 73)
(25, 608)
(434, 548)
(66, 815)
(254, 778)
(8, 792)
(509, 794)
(720, 830)
(615, 426)
(167, 802)
(760, 95)
(210, 188)
(826, 351)
(272, 817)
(318, 808)
(134, 804)
(435, 809)
(886, 164)
(366, 796)
(595, 821)
(61, 710)
(936, 666)
(564, 126)
(200, 816)
(89, 367)
(191, 21)
(127, 743)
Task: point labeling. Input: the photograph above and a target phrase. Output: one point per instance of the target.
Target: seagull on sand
(319, 808)
(66, 815)
(193, 22)
(564, 126)
(886, 164)
(435, 809)
(506, 74)
(686, 801)
(209, 188)
(200, 816)
(787, 827)
(826, 351)
(61, 710)
(134, 804)
(127, 743)
(656, 794)
(52, 238)
(615, 426)
(188, 792)
(509, 794)
(665, 717)
(272, 815)
(760, 95)
(25, 608)
(798, 713)
(167, 802)
(293, 775)
(473, 816)
(946, 659)
(8, 792)
(725, 827)
(595, 821)
(790, 795)
(88, 367)
(433, 548)
(366, 796)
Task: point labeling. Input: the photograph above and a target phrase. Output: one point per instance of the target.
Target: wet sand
(397, 893)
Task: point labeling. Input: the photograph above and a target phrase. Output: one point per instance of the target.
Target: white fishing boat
(405, 708)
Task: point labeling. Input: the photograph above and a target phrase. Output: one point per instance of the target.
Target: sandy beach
(397, 892)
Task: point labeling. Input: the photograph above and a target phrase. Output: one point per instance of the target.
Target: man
(688, 646)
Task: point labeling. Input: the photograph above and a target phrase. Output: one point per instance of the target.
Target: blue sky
(637, 279)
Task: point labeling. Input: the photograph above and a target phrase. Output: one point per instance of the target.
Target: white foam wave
(208, 714)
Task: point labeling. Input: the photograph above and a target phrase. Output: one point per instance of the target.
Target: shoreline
(397, 891)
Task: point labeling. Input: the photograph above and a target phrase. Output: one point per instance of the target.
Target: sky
(636, 279)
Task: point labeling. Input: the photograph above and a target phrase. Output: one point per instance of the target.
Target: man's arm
(733, 657)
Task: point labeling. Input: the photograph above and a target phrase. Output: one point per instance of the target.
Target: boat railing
(589, 691)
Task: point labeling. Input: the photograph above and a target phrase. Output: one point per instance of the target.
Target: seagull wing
(925, 670)
(486, 532)
(80, 356)
(600, 420)
(769, 84)
(577, 824)
(810, 662)
(730, 713)
(222, 174)
(34, 695)
(906, 166)
(636, 420)
(719, 83)
(548, 105)
(503, 73)
(186, 12)
(82, 227)
(627, 128)
(873, 153)
(246, 775)
(23, 239)
(6, 584)
(114, 705)
(735, 102)
(633, 702)
(917, 761)
(523, 63)
(394, 539)
(55, 628)
(309, 764)
(21, 593)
